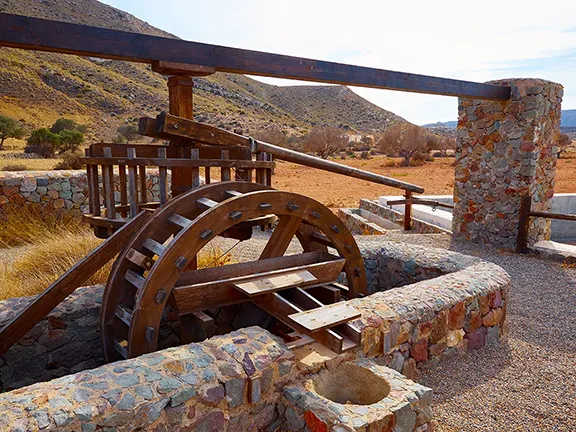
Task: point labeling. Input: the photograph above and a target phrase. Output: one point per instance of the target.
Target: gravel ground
(528, 382)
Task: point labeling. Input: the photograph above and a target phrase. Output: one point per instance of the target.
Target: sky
(475, 41)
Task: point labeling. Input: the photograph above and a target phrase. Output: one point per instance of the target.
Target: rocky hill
(39, 87)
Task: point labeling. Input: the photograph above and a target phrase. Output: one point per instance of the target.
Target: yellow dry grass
(42, 264)
(31, 224)
(31, 164)
(57, 242)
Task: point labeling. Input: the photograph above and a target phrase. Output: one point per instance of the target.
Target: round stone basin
(351, 384)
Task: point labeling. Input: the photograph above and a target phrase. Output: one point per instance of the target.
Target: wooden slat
(325, 316)
(281, 308)
(134, 278)
(142, 187)
(196, 327)
(225, 171)
(215, 287)
(275, 283)
(302, 298)
(153, 246)
(124, 314)
(123, 186)
(139, 259)
(205, 203)
(121, 347)
(194, 155)
(325, 294)
(299, 341)
(38, 308)
(181, 221)
(132, 183)
(163, 177)
(46, 35)
(108, 185)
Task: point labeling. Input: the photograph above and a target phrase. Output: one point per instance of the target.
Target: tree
(10, 128)
(42, 142)
(64, 135)
(70, 140)
(325, 141)
(63, 124)
(127, 132)
(404, 140)
(271, 135)
(564, 141)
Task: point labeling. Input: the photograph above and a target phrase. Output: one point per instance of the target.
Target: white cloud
(457, 39)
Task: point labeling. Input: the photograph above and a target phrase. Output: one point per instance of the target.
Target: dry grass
(31, 164)
(37, 268)
(31, 225)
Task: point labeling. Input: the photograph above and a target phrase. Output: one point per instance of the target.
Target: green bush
(42, 142)
(65, 135)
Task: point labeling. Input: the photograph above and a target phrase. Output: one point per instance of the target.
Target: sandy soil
(336, 191)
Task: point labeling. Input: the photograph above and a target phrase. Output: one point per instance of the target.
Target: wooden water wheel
(154, 268)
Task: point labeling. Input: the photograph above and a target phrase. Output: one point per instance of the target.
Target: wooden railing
(524, 221)
(409, 201)
(130, 163)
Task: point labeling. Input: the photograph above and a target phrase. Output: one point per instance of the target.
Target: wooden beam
(45, 35)
(171, 125)
(52, 296)
(325, 316)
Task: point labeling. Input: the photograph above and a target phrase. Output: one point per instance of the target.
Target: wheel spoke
(281, 237)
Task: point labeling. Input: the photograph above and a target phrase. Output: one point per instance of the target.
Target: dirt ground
(437, 178)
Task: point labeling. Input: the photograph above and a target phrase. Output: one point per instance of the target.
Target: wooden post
(408, 211)
(180, 90)
(123, 190)
(108, 184)
(523, 223)
(195, 155)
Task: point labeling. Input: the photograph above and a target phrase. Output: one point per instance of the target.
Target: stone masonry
(506, 150)
(65, 190)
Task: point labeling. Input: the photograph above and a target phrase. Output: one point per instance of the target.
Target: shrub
(365, 155)
(389, 163)
(127, 133)
(63, 124)
(64, 135)
(70, 140)
(10, 128)
(15, 167)
(70, 161)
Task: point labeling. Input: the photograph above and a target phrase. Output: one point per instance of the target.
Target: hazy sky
(477, 41)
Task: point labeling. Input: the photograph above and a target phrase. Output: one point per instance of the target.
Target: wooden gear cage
(156, 243)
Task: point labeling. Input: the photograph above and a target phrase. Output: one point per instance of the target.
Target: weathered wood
(171, 68)
(196, 327)
(225, 171)
(325, 316)
(195, 171)
(132, 185)
(122, 179)
(108, 186)
(325, 294)
(188, 128)
(275, 283)
(45, 35)
(408, 211)
(302, 298)
(558, 216)
(142, 184)
(299, 340)
(281, 237)
(38, 308)
(175, 162)
(413, 201)
(224, 290)
(163, 177)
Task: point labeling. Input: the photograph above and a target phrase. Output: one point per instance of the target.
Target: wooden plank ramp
(66, 284)
(325, 316)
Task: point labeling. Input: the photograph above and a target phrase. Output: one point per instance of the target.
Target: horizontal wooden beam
(181, 127)
(45, 35)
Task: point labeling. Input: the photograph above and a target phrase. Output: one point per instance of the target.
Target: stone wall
(66, 190)
(450, 303)
(506, 150)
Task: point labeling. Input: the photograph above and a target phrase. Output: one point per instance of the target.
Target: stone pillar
(506, 150)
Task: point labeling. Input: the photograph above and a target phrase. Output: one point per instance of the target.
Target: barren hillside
(40, 87)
